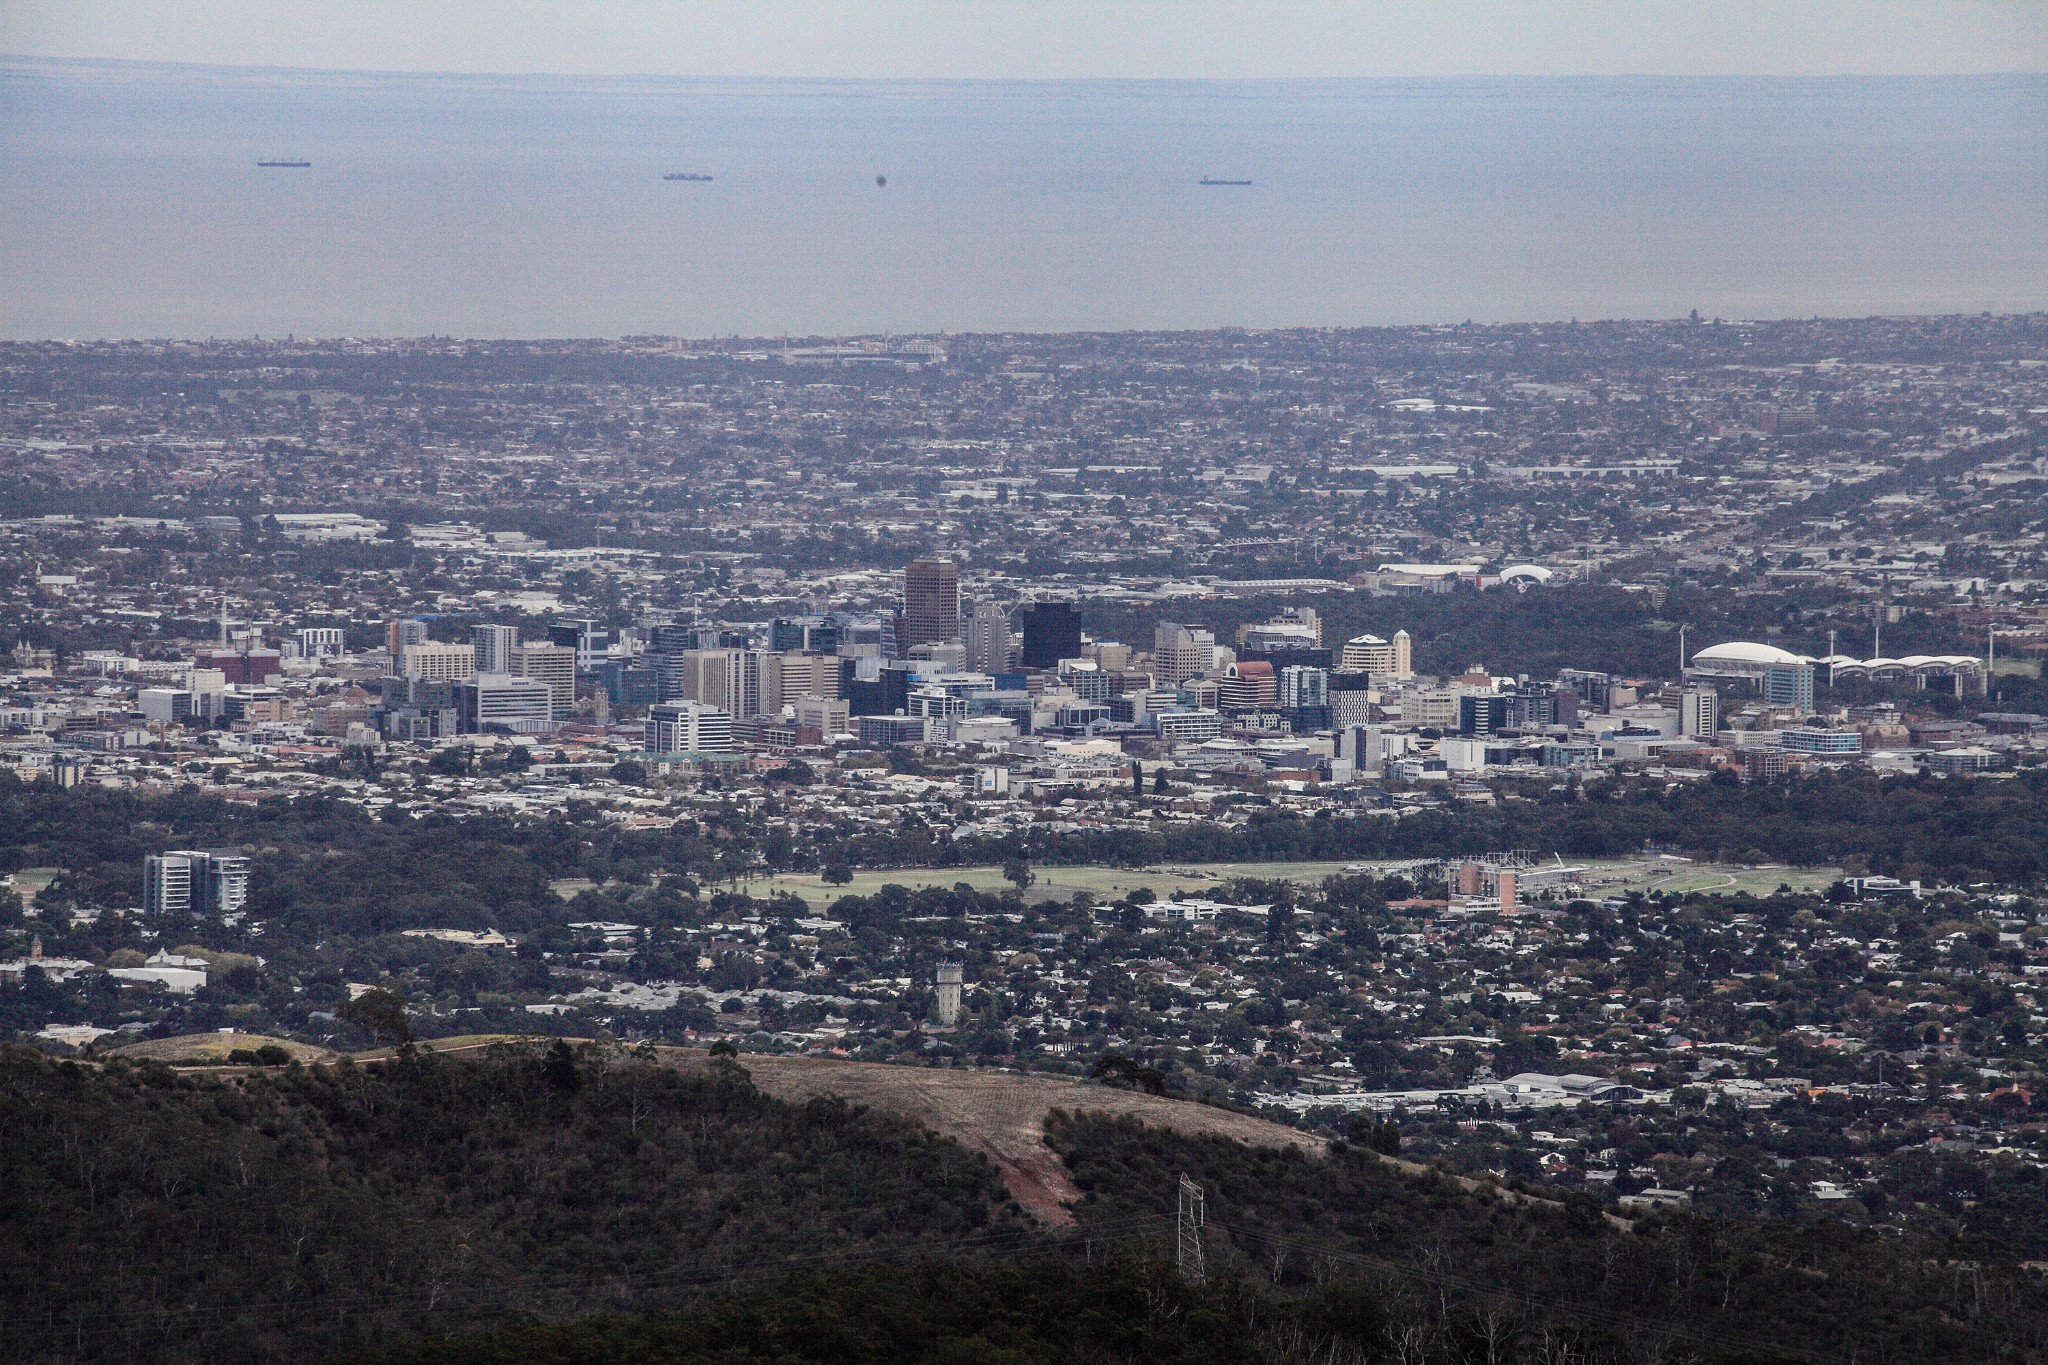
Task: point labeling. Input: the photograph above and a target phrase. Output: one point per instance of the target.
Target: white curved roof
(1915, 661)
(1535, 571)
(1365, 640)
(1745, 652)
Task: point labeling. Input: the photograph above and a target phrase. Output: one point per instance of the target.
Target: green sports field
(1603, 877)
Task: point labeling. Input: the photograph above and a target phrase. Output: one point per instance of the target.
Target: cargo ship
(685, 175)
(299, 165)
(1210, 180)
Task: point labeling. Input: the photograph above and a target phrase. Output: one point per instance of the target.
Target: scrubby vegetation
(287, 1214)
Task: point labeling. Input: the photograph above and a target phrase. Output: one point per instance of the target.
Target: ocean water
(131, 204)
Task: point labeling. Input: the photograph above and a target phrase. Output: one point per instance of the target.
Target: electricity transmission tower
(1188, 1251)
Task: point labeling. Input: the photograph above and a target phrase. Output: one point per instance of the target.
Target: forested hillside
(1822, 1291)
(298, 1213)
(288, 1215)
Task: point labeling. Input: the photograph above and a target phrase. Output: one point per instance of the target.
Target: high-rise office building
(827, 715)
(988, 638)
(804, 634)
(494, 646)
(753, 682)
(1789, 685)
(518, 704)
(931, 601)
(688, 728)
(164, 705)
(691, 675)
(1484, 713)
(1594, 689)
(1181, 652)
(437, 661)
(807, 675)
(1699, 714)
(1304, 687)
(587, 638)
(1371, 654)
(1052, 631)
(554, 665)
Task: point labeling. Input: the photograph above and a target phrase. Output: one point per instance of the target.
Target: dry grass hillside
(998, 1113)
(207, 1047)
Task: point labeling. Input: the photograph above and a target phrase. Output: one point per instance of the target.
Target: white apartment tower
(494, 646)
(1699, 714)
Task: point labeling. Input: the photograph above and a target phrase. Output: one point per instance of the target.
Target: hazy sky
(1052, 38)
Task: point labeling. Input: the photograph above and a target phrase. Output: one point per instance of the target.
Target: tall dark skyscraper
(931, 601)
(1052, 631)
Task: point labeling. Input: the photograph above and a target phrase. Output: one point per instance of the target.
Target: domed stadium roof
(1741, 653)
(1535, 571)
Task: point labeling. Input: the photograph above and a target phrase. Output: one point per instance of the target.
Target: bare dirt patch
(1001, 1114)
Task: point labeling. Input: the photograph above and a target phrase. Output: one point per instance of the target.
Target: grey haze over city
(535, 206)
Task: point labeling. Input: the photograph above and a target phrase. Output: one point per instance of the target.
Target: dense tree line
(1044, 1312)
(1906, 825)
(322, 868)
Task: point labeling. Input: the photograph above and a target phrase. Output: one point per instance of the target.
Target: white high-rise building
(1371, 654)
(554, 665)
(688, 728)
(321, 642)
(494, 646)
(519, 704)
(988, 638)
(753, 682)
(696, 675)
(195, 881)
(806, 675)
(1699, 714)
(438, 662)
(1181, 652)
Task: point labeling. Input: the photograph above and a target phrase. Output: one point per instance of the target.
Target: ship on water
(685, 175)
(296, 165)
(1211, 180)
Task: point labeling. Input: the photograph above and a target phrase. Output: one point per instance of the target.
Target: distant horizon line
(1680, 78)
(793, 338)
